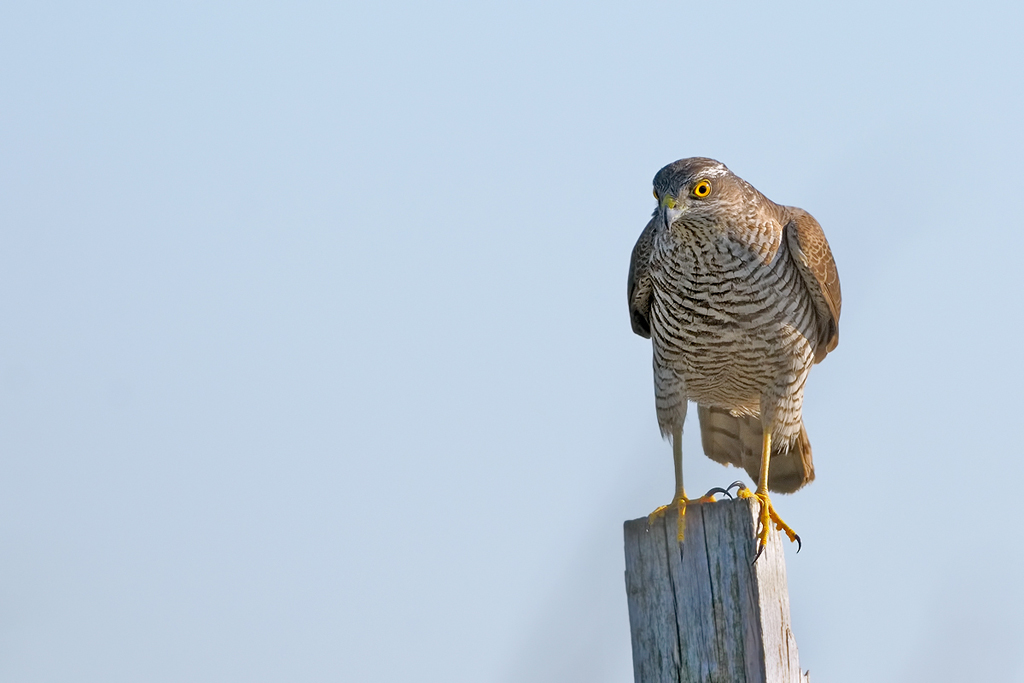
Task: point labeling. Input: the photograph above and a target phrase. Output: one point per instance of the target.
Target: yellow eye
(655, 194)
(702, 189)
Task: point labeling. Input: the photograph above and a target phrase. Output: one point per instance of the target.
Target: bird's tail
(736, 440)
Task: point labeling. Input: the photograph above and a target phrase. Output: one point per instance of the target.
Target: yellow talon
(680, 504)
(680, 501)
(767, 514)
(658, 512)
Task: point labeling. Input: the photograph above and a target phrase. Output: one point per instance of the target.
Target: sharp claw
(799, 545)
(759, 551)
(738, 484)
(718, 489)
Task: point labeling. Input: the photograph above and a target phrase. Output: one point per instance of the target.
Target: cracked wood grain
(699, 612)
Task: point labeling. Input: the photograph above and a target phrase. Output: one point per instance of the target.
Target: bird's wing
(813, 259)
(638, 288)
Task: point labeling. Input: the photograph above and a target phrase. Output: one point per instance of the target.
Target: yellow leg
(767, 515)
(679, 500)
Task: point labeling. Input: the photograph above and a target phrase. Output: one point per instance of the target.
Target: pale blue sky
(315, 363)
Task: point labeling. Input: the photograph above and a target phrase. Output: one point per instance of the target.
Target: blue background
(315, 362)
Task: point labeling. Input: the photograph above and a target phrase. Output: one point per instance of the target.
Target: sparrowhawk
(740, 297)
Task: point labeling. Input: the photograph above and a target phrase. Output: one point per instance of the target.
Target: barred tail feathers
(736, 440)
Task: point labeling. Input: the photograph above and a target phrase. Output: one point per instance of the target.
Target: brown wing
(813, 258)
(638, 288)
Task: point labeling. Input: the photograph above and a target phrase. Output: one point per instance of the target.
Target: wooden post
(698, 610)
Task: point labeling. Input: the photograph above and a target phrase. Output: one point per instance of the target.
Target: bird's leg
(767, 513)
(677, 462)
(679, 500)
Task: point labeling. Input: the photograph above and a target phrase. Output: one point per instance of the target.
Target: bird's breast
(725, 316)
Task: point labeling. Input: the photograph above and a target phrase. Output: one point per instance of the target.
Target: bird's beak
(672, 209)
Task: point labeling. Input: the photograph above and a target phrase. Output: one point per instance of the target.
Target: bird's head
(697, 190)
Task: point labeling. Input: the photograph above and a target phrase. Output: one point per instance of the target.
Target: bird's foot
(766, 517)
(681, 502)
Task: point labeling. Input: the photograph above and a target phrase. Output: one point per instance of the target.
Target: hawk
(739, 297)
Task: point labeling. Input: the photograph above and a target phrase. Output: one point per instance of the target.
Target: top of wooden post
(698, 609)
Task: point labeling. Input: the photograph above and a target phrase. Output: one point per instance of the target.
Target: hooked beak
(671, 209)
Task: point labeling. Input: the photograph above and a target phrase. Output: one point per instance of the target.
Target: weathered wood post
(698, 610)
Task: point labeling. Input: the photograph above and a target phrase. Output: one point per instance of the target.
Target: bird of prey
(740, 297)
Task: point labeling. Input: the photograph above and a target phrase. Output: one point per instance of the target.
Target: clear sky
(315, 362)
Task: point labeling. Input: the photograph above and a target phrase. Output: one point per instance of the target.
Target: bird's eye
(655, 194)
(702, 189)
